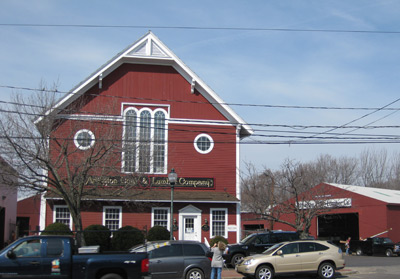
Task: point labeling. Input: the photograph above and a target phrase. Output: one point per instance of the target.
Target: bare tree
(258, 192)
(293, 194)
(61, 169)
(374, 168)
(332, 170)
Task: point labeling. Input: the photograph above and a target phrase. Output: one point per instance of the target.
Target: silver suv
(303, 256)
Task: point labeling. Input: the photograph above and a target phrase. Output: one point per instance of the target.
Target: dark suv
(176, 259)
(256, 243)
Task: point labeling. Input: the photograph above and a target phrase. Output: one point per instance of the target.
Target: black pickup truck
(374, 246)
(256, 243)
(57, 257)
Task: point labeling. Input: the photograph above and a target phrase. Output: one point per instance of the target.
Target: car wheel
(326, 271)
(264, 272)
(195, 273)
(389, 253)
(236, 259)
(111, 276)
(359, 252)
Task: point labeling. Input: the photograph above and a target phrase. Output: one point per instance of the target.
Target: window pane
(112, 218)
(306, 247)
(130, 141)
(320, 247)
(62, 215)
(55, 247)
(193, 250)
(203, 143)
(159, 142)
(161, 218)
(144, 144)
(218, 223)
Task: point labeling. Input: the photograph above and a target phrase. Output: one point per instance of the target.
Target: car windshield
(147, 247)
(247, 239)
(273, 249)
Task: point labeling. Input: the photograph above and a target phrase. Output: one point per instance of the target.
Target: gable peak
(148, 47)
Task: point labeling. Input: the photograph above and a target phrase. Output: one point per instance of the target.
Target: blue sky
(270, 67)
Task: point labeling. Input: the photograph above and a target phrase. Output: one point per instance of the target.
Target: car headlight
(248, 262)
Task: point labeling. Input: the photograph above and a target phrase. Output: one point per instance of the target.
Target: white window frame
(93, 139)
(152, 129)
(212, 221)
(168, 216)
(119, 215)
(211, 144)
(55, 211)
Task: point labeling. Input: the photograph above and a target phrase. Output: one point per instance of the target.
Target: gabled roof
(150, 50)
(384, 195)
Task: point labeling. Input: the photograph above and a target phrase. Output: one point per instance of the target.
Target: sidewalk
(232, 274)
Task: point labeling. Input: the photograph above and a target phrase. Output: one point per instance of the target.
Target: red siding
(30, 207)
(155, 87)
(150, 84)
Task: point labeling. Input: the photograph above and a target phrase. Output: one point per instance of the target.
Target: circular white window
(203, 143)
(84, 139)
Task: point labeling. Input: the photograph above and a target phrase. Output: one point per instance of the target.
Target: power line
(196, 102)
(198, 28)
(189, 123)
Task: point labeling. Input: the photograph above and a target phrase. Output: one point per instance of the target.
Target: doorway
(190, 223)
(338, 226)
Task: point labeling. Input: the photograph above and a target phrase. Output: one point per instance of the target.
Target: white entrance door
(190, 223)
(191, 230)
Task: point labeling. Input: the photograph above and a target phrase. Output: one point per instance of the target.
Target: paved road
(365, 261)
(366, 267)
(357, 267)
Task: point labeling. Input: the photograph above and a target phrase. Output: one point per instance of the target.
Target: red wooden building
(165, 117)
(359, 212)
(28, 215)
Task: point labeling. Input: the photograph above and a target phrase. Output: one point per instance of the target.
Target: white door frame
(190, 211)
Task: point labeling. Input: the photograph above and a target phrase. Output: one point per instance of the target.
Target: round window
(203, 143)
(84, 139)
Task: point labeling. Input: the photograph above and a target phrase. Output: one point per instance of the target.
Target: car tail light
(145, 266)
(210, 259)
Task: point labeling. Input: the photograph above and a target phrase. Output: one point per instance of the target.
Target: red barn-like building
(166, 117)
(359, 212)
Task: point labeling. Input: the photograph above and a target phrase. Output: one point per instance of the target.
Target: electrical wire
(194, 102)
(198, 28)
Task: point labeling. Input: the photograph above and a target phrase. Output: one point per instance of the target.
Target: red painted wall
(30, 207)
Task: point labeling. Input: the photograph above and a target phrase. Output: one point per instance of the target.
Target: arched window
(130, 142)
(144, 141)
(144, 147)
(159, 142)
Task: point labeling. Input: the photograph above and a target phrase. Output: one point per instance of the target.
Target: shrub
(97, 235)
(216, 239)
(57, 229)
(126, 237)
(158, 233)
